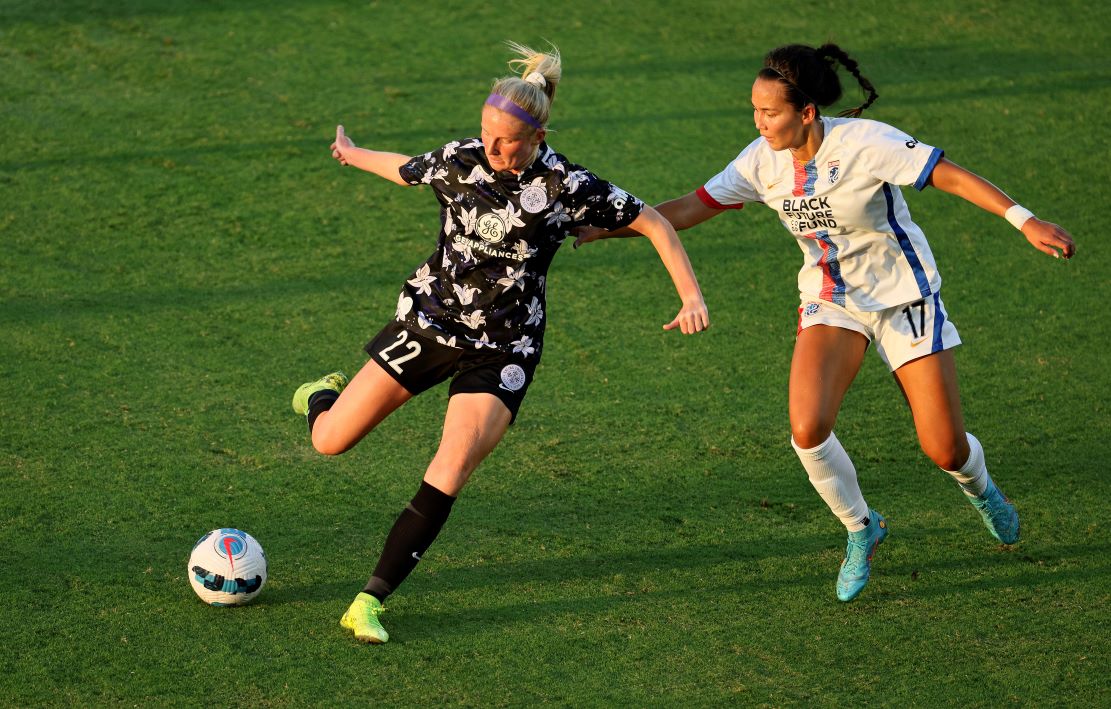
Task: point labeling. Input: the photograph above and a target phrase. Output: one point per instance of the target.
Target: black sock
(412, 534)
(320, 402)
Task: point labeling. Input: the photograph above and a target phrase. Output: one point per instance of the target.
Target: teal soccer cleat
(362, 619)
(858, 557)
(999, 514)
(335, 381)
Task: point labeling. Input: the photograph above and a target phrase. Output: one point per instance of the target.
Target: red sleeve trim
(713, 203)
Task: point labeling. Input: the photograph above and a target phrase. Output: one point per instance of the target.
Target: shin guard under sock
(833, 475)
(413, 532)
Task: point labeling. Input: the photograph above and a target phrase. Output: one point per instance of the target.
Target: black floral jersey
(484, 286)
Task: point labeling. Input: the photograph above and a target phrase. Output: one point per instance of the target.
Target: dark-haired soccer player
(868, 277)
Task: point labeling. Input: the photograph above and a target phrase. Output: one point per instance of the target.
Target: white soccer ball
(227, 567)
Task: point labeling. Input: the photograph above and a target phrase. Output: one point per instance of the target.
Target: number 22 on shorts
(402, 339)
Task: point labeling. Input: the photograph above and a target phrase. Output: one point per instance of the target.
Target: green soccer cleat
(858, 557)
(362, 618)
(335, 381)
(999, 514)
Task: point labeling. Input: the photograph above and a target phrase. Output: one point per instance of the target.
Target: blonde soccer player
(475, 311)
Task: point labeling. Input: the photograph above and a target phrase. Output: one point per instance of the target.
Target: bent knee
(951, 456)
(330, 445)
(328, 448)
(810, 434)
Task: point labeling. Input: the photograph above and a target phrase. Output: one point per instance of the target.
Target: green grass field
(178, 251)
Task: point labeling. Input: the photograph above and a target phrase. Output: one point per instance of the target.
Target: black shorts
(418, 362)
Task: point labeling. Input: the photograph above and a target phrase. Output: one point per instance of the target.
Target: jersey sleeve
(730, 188)
(418, 169)
(596, 202)
(895, 157)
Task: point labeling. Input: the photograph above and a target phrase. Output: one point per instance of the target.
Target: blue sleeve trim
(924, 177)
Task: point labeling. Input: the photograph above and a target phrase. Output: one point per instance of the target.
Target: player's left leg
(931, 389)
(337, 423)
(473, 426)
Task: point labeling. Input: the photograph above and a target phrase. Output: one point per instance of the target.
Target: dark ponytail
(810, 76)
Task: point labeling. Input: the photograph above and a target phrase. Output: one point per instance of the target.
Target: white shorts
(901, 334)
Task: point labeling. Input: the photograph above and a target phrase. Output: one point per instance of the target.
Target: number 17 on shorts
(907, 332)
(900, 334)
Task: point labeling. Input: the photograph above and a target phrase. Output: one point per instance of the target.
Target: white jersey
(844, 206)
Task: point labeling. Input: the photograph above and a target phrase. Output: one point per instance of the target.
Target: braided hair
(810, 76)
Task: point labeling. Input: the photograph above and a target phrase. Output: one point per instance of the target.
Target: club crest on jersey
(512, 377)
(490, 228)
(533, 199)
(810, 309)
(834, 167)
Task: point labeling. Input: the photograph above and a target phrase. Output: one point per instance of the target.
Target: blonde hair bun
(534, 88)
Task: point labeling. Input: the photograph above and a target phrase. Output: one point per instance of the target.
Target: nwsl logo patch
(512, 377)
(834, 168)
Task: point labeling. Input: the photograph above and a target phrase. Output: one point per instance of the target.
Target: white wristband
(1017, 215)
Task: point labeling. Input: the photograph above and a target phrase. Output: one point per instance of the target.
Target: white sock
(832, 474)
(973, 476)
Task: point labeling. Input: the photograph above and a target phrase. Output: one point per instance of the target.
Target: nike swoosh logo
(772, 184)
(918, 341)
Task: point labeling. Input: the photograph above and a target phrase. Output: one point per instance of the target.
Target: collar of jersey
(537, 166)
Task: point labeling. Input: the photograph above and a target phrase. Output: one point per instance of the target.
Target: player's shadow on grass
(894, 576)
(888, 585)
(485, 576)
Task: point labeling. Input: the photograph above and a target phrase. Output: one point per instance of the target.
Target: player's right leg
(825, 362)
(826, 359)
(362, 619)
(473, 426)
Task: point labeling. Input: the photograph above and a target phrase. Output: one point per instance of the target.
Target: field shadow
(894, 578)
(31, 310)
(417, 625)
(53, 12)
(431, 138)
(660, 562)
(1039, 84)
(633, 564)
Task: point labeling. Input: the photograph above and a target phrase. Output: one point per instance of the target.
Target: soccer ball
(227, 567)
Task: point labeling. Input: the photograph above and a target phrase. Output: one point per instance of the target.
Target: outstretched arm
(683, 213)
(380, 163)
(1044, 236)
(693, 316)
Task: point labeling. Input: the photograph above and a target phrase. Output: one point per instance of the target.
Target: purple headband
(502, 103)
